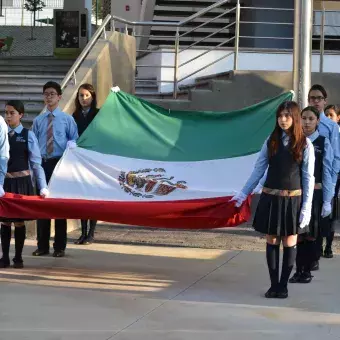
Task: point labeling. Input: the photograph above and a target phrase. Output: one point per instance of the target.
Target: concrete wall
(118, 8)
(247, 88)
(110, 63)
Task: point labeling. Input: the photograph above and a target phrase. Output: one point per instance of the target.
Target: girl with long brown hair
(85, 111)
(284, 208)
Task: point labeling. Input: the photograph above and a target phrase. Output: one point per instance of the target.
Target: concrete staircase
(23, 79)
(177, 10)
(235, 90)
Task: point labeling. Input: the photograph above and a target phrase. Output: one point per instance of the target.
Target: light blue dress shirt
(64, 130)
(4, 150)
(307, 168)
(329, 129)
(34, 157)
(328, 186)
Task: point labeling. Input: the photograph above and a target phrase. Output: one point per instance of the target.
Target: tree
(97, 8)
(34, 6)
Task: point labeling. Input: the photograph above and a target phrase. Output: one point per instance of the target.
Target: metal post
(126, 29)
(302, 50)
(96, 13)
(237, 34)
(1, 8)
(176, 63)
(322, 36)
(22, 12)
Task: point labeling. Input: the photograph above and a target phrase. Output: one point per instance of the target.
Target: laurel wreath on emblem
(147, 183)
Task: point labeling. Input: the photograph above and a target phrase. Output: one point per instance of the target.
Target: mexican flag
(140, 164)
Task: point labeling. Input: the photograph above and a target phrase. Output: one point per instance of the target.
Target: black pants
(44, 226)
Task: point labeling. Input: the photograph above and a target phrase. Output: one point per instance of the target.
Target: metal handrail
(206, 22)
(72, 72)
(207, 37)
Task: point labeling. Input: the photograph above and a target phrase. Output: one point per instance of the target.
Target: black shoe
(328, 253)
(80, 240)
(314, 266)
(89, 240)
(4, 263)
(282, 293)
(295, 278)
(39, 252)
(271, 293)
(59, 253)
(18, 263)
(306, 277)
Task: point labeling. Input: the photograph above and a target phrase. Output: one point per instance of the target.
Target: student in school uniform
(332, 112)
(54, 130)
(307, 251)
(317, 97)
(85, 111)
(284, 208)
(24, 156)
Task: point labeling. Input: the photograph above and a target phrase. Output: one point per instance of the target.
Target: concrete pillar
(302, 50)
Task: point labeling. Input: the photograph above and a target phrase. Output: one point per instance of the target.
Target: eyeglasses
(316, 98)
(52, 94)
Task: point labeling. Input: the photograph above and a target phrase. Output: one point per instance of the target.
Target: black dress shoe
(314, 266)
(89, 240)
(18, 263)
(80, 240)
(59, 253)
(282, 293)
(328, 253)
(4, 263)
(39, 252)
(295, 278)
(271, 293)
(306, 277)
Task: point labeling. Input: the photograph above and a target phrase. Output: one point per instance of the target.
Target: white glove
(326, 209)
(44, 192)
(2, 192)
(258, 189)
(239, 199)
(71, 144)
(305, 216)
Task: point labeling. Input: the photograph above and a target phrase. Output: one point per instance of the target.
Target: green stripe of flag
(132, 127)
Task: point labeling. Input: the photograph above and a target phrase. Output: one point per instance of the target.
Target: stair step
(44, 69)
(32, 76)
(23, 97)
(21, 90)
(222, 75)
(50, 62)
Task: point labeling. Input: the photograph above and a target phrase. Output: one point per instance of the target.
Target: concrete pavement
(125, 292)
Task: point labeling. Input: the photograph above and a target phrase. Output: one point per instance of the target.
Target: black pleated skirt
(21, 186)
(278, 215)
(318, 225)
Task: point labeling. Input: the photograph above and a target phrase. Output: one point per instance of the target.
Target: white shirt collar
(314, 136)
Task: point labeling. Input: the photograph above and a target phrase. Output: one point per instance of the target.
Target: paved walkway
(126, 292)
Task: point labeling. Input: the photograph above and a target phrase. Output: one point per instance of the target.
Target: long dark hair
(77, 105)
(297, 141)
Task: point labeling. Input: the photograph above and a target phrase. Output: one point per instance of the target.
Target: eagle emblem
(148, 183)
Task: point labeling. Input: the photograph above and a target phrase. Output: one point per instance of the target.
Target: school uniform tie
(50, 141)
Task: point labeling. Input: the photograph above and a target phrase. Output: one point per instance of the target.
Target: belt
(286, 193)
(44, 159)
(18, 174)
(318, 186)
